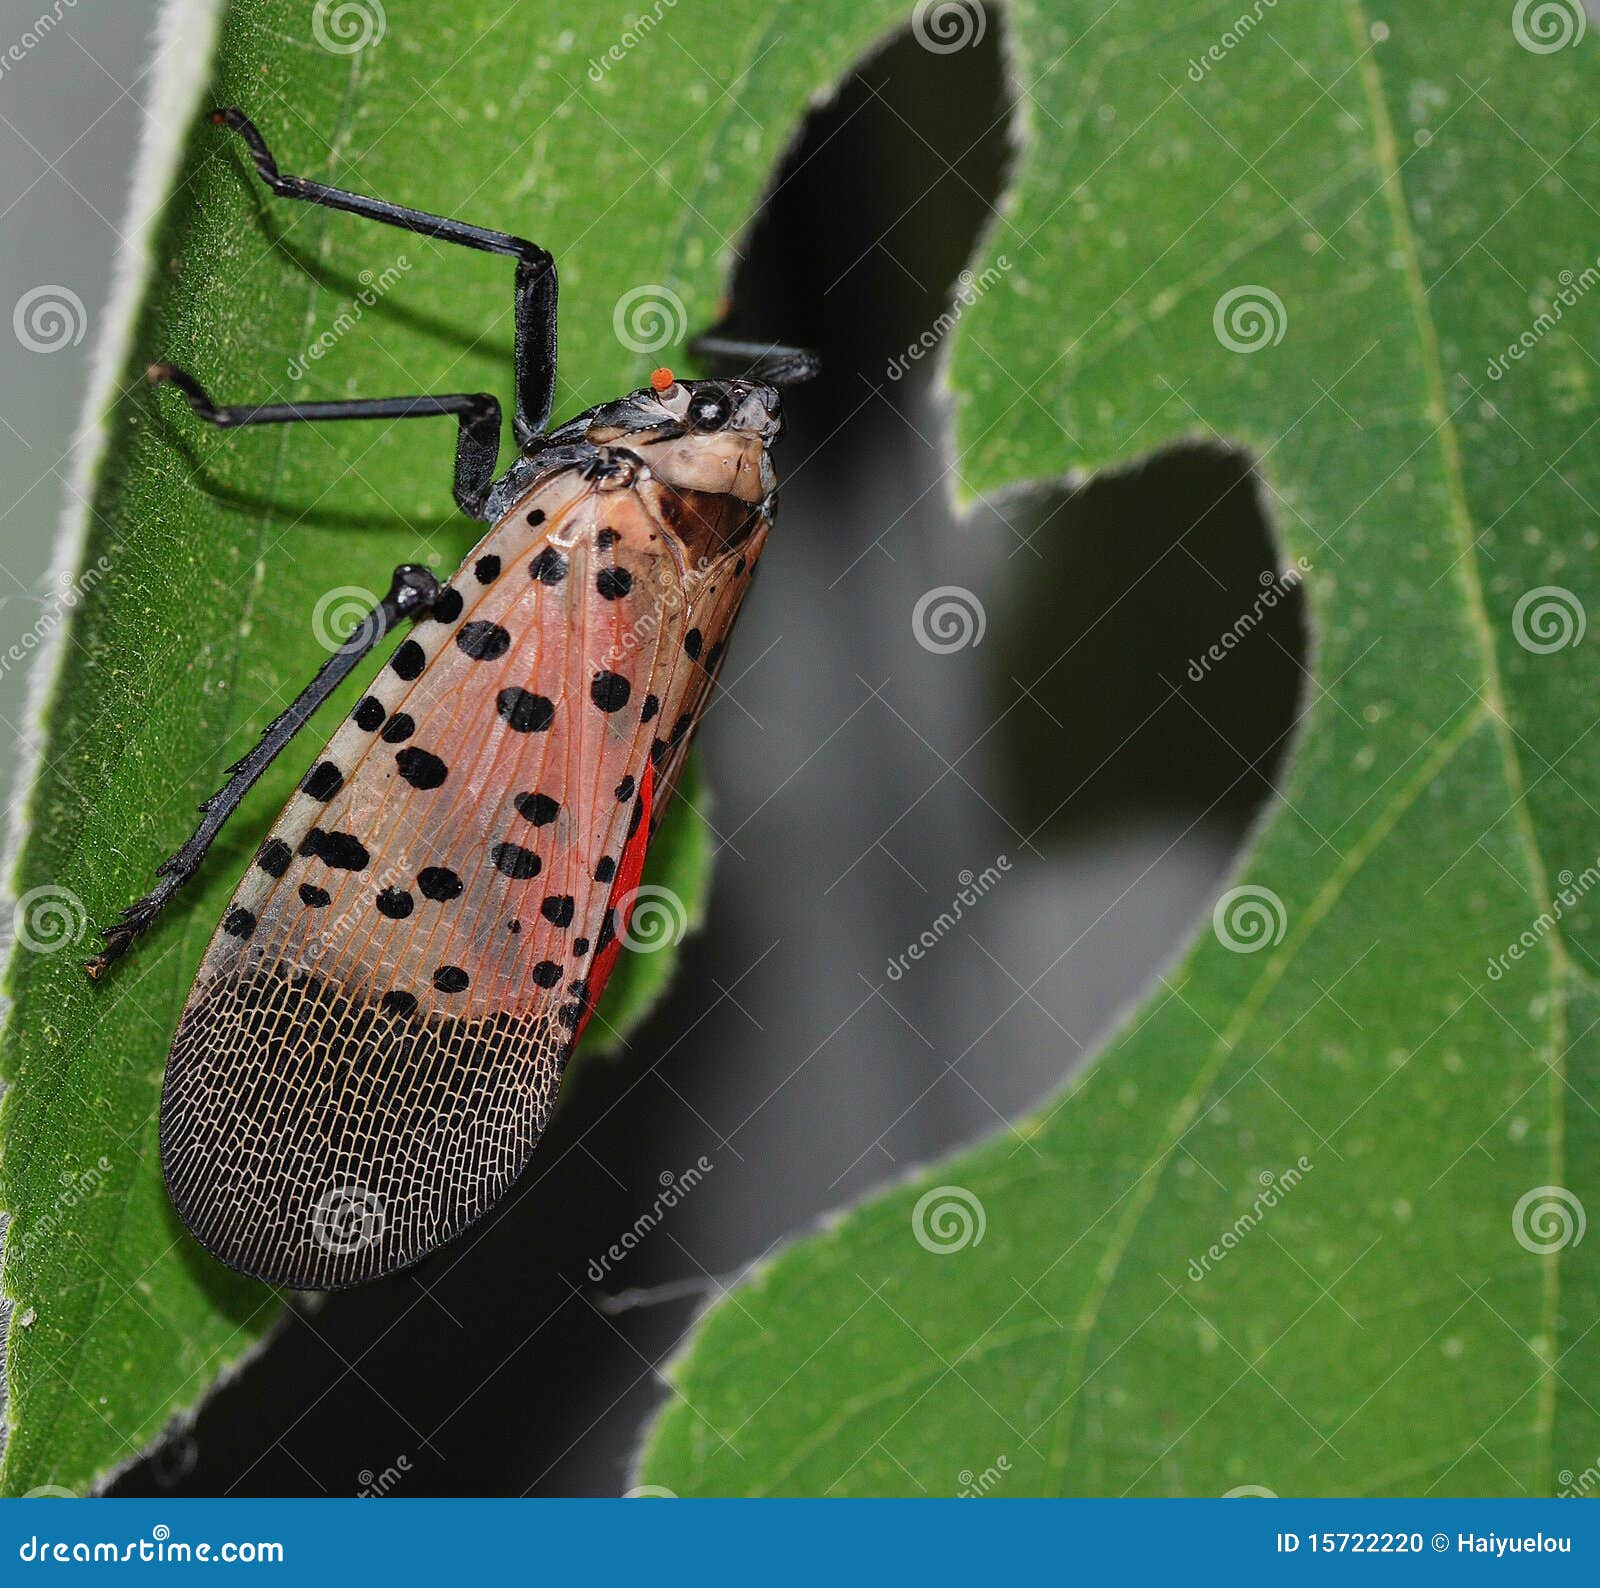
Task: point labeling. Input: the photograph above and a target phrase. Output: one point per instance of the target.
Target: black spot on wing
(342, 851)
(524, 711)
(540, 809)
(610, 691)
(274, 857)
(448, 607)
(439, 883)
(516, 862)
(421, 768)
(409, 660)
(549, 567)
(323, 781)
(483, 642)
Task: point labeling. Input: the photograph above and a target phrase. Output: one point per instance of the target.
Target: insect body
(379, 1026)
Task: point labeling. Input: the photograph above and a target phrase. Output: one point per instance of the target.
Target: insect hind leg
(412, 591)
(534, 301)
(477, 443)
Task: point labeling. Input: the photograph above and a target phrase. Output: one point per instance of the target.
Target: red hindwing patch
(619, 909)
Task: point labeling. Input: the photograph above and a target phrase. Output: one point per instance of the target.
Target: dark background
(853, 777)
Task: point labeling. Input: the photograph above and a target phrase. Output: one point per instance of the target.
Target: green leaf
(1309, 1224)
(213, 550)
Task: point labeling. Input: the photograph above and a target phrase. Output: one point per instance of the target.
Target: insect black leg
(773, 363)
(411, 592)
(477, 445)
(534, 303)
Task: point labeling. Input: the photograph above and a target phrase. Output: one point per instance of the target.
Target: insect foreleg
(534, 304)
(775, 363)
(411, 592)
(477, 445)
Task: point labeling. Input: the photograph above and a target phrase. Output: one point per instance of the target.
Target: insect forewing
(376, 1036)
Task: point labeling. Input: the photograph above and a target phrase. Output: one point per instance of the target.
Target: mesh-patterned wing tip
(317, 1138)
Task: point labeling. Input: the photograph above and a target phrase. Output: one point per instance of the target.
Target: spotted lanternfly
(374, 1041)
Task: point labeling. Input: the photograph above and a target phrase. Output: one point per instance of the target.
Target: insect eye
(709, 410)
